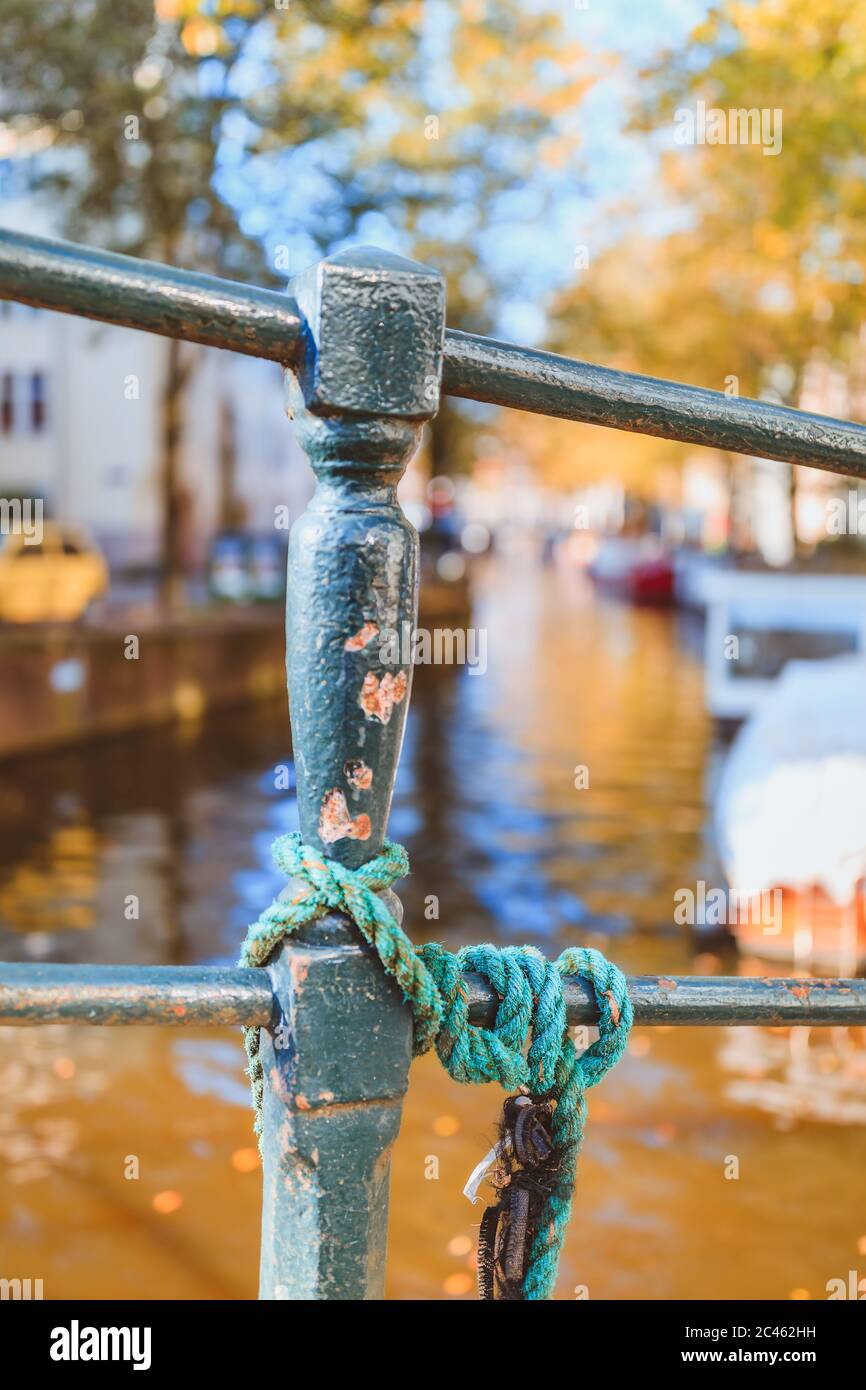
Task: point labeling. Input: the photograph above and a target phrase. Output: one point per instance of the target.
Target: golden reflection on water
(126, 1161)
(98, 1126)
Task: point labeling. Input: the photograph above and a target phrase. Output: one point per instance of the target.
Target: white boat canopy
(791, 808)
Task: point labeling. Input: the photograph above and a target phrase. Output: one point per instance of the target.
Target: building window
(37, 402)
(22, 402)
(7, 405)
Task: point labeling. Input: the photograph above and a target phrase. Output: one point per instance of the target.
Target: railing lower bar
(155, 298)
(265, 323)
(186, 995)
(483, 369)
(706, 1001)
(133, 994)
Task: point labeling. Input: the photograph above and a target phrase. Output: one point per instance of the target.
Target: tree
(766, 269)
(466, 129)
(783, 236)
(132, 131)
(245, 138)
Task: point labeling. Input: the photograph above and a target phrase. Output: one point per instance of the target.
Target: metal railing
(264, 323)
(367, 353)
(178, 996)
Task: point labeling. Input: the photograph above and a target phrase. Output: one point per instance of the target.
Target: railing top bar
(265, 323)
(483, 369)
(143, 294)
(186, 995)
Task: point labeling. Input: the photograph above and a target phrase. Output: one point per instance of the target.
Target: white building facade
(81, 427)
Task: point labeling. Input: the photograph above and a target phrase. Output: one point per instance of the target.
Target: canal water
(561, 796)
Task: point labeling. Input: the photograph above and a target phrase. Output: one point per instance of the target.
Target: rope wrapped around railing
(528, 1047)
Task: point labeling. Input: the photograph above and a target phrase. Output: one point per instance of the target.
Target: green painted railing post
(337, 1061)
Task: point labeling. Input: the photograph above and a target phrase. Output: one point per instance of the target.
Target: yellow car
(53, 579)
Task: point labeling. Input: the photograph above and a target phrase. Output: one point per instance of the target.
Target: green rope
(531, 1009)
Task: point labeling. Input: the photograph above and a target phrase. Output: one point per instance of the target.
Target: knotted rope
(531, 1009)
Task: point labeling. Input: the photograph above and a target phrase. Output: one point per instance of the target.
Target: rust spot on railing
(364, 635)
(358, 774)
(378, 698)
(799, 991)
(335, 822)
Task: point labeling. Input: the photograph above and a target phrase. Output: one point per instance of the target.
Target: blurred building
(80, 426)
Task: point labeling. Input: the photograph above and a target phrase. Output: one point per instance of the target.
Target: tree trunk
(792, 502)
(443, 452)
(230, 512)
(734, 523)
(171, 582)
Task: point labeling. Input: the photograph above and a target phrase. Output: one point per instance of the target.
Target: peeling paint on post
(337, 1062)
(374, 327)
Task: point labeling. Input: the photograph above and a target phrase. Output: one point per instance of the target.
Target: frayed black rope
(529, 1169)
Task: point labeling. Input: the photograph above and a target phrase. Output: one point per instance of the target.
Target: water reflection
(561, 797)
(799, 1073)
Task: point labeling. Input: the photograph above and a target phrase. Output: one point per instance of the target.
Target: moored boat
(636, 568)
(791, 818)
